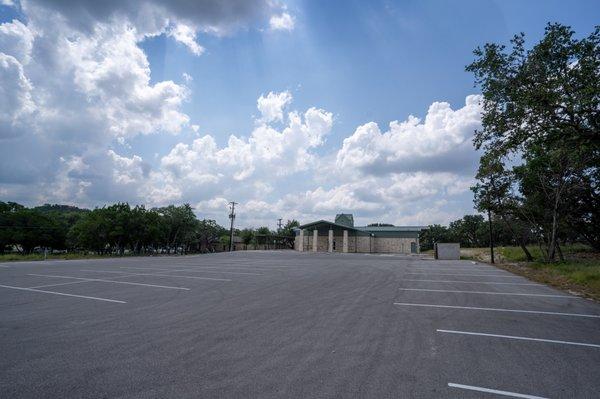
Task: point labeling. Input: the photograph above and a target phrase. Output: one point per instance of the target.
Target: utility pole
(232, 217)
(279, 225)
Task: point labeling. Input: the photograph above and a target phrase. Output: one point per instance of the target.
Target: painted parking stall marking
(491, 293)
(62, 294)
(111, 281)
(494, 391)
(496, 309)
(127, 274)
(474, 282)
(58, 284)
(462, 274)
(553, 341)
(191, 271)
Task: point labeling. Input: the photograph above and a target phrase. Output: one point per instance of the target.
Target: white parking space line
(475, 268)
(450, 271)
(112, 281)
(553, 341)
(471, 282)
(218, 271)
(491, 293)
(250, 267)
(486, 272)
(103, 271)
(497, 310)
(497, 392)
(190, 270)
(233, 266)
(62, 293)
(162, 275)
(474, 275)
(56, 285)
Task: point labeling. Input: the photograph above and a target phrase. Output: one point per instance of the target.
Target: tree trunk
(491, 237)
(519, 239)
(560, 253)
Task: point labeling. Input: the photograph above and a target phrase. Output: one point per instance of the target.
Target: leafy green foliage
(540, 136)
(112, 229)
(471, 231)
(288, 228)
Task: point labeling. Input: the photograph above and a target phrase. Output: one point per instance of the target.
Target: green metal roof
(366, 229)
(345, 219)
(311, 224)
(390, 228)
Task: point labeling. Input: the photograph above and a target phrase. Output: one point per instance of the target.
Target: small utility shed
(343, 236)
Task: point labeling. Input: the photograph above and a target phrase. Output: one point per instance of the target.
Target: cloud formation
(271, 106)
(439, 142)
(283, 21)
(75, 82)
(150, 16)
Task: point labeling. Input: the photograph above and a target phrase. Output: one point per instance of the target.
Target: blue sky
(103, 111)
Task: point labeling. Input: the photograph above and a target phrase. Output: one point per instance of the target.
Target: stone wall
(322, 244)
(338, 243)
(361, 244)
(392, 245)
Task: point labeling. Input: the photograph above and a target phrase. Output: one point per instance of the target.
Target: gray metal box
(447, 251)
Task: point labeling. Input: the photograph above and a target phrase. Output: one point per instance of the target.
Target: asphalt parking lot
(289, 324)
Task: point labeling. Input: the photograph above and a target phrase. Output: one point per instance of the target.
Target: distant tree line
(539, 174)
(471, 231)
(116, 229)
(259, 236)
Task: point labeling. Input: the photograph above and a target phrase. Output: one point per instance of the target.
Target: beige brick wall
(339, 243)
(392, 245)
(351, 243)
(359, 244)
(363, 244)
(322, 244)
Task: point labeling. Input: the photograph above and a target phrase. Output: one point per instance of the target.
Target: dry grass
(579, 273)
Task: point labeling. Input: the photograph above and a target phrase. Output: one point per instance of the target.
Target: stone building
(343, 236)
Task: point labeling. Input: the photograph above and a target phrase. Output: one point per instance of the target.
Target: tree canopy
(111, 229)
(540, 136)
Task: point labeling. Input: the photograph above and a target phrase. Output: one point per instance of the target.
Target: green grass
(579, 275)
(579, 272)
(516, 254)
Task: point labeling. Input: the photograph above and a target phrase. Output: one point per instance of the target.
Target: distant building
(343, 236)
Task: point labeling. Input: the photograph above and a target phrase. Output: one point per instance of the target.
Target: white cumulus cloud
(75, 82)
(283, 21)
(186, 35)
(442, 141)
(272, 105)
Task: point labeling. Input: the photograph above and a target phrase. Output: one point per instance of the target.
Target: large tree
(541, 112)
